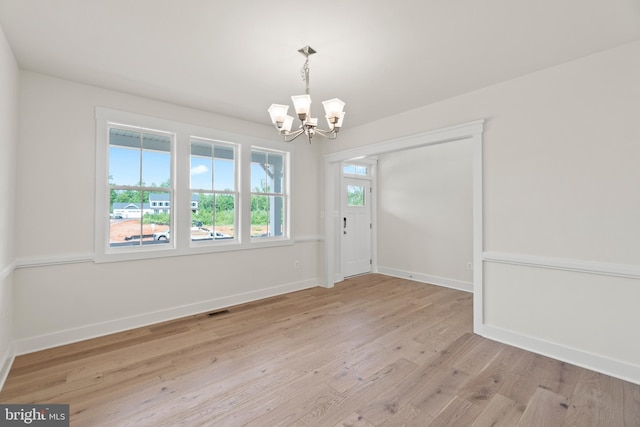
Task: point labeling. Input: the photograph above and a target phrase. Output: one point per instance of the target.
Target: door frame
(372, 164)
(333, 173)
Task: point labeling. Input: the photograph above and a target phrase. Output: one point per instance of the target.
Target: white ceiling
(237, 57)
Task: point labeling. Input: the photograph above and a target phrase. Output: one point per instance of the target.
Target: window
(213, 190)
(167, 188)
(268, 194)
(139, 171)
(355, 169)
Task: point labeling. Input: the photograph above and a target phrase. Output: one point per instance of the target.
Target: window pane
(267, 216)
(156, 160)
(124, 157)
(133, 222)
(203, 215)
(224, 175)
(354, 169)
(355, 195)
(224, 169)
(201, 166)
(361, 170)
(349, 169)
(156, 221)
(259, 172)
(214, 218)
(225, 216)
(276, 173)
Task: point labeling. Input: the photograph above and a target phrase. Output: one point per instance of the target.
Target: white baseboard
(425, 278)
(5, 364)
(41, 342)
(615, 368)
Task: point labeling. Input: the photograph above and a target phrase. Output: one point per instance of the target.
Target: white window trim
(286, 194)
(237, 190)
(180, 170)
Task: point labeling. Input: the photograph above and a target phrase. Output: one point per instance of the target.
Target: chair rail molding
(580, 266)
(6, 270)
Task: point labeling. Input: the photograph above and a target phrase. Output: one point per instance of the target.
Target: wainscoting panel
(576, 311)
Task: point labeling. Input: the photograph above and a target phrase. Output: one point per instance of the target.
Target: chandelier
(302, 104)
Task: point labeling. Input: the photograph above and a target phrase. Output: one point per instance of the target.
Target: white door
(355, 226)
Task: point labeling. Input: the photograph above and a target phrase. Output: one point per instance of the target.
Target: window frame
(236, 190)
(180, 244)
(285, 194)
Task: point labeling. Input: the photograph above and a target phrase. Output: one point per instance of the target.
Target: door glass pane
(355, 195)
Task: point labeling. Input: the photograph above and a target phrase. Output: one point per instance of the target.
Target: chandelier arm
(331, 134)
(289, 137)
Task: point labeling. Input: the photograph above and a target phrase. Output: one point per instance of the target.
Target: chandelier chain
(304, 72)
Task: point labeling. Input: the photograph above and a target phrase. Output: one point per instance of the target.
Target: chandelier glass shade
(283, 122)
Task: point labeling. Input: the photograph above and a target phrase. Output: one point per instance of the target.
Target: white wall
(561, 201)
(8, 144)
(59, 297)
(425, 213)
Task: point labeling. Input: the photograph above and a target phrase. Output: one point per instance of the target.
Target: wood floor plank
(546, 408)
(408, 416)
(368, 390)
(521, 382)
(430, 396)
(392, 399)
(483, 386)
(596, 401)
(458, 412)
(561, 378)
(631, 404)
(354, 420)
(372, 351)
(500, 411)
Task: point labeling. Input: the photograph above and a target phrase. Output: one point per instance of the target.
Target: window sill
(136, 254)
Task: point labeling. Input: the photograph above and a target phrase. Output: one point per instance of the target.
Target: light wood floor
(373, 351)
